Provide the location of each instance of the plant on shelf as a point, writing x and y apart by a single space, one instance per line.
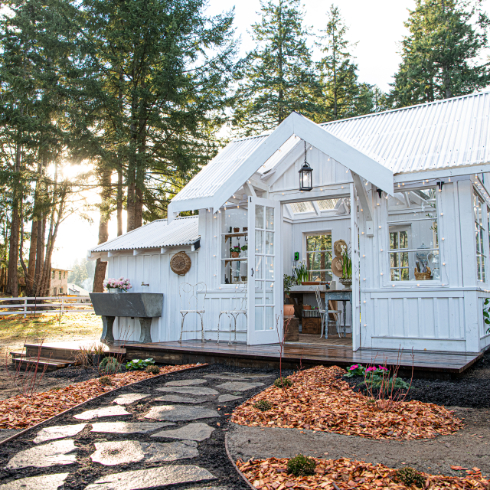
288 282
346 278
301 272
235 252
244 250
117 285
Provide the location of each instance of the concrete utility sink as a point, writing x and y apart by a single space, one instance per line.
144 306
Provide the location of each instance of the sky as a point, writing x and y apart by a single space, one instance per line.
377 26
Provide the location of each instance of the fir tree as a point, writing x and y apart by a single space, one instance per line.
278 76
440 57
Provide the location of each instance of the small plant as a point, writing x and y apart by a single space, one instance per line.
355 370
152 369
98 349
235 249
409 476
105 380
301 272
263 405
244 248
121 283
283 383
109 365
288 282
346 263
486 314
139 364
301 466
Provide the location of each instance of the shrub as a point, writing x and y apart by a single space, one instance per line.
301 466
283 383
109 365
378 382
263 405
105 380
152 369
409 476
137 364
355 370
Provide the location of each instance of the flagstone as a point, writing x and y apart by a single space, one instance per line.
51 454
46 482
129 398
238 386
114 411
152 478
186 382
228 398
192 432
128 427
180 399
189 390
58 432
176 413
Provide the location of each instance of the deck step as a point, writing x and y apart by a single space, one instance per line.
51 364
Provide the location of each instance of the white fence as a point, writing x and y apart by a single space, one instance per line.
45 305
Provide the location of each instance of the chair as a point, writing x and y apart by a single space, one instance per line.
323 314
191 292
233 314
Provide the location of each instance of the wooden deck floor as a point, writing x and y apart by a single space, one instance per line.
300 354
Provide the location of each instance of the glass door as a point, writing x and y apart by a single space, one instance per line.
355 256
265 297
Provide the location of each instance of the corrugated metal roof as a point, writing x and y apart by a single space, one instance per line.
181 231
447 133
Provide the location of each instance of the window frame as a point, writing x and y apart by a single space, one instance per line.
479 231
406 227
305 249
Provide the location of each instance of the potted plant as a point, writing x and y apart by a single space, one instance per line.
236 230
346 278
301 272
244 249
117 285
289 282
235 252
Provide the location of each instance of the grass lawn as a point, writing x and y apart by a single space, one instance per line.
17 330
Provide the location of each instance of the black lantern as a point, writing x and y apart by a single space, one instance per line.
305 176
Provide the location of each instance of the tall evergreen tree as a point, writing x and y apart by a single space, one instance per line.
440 56
278 76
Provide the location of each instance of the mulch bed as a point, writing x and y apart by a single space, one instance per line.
22 412
339 474
320 400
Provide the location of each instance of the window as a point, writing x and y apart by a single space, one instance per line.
61 290
52 274
413 235
59 274
64 275
319 257
54 291
479 234
234 245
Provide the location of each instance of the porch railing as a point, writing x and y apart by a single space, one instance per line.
47 305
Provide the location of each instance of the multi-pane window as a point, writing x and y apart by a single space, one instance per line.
234 245
479 234
59 274
399 260
319 257
413 234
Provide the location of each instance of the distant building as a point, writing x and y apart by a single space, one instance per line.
59 282
74 290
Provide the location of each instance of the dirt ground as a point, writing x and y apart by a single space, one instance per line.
15 331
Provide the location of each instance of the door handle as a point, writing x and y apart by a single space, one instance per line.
252 270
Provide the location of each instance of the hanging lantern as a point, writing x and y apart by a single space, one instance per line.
305 176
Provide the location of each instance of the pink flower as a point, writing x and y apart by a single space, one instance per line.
382 368
372 368
355 366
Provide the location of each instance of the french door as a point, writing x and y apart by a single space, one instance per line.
265 294
355 256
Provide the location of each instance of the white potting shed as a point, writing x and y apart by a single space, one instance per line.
405 189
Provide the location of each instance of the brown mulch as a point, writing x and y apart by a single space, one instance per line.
22 412
340 474
320 400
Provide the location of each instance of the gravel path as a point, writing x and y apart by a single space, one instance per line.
163 432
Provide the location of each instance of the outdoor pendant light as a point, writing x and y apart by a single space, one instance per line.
305 176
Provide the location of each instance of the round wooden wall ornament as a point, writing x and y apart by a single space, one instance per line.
180 263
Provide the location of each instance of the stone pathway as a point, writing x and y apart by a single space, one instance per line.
162 433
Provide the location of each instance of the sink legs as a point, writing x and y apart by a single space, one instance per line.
107 334
145 336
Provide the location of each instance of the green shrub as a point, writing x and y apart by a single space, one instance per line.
386 383
409 476
152 369
137 364
109 365
263 405
105 380
283 383
301 466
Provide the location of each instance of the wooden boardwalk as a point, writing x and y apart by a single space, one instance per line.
302 354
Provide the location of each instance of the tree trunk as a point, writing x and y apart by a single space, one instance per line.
41 234
131 223
101 266
31 264
119 205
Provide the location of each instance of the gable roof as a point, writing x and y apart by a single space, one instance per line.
157 234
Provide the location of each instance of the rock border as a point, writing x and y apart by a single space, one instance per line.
243 477
37 426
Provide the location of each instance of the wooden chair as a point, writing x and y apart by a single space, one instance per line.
233 314
324 317
191 292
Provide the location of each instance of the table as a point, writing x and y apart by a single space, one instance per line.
343 295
